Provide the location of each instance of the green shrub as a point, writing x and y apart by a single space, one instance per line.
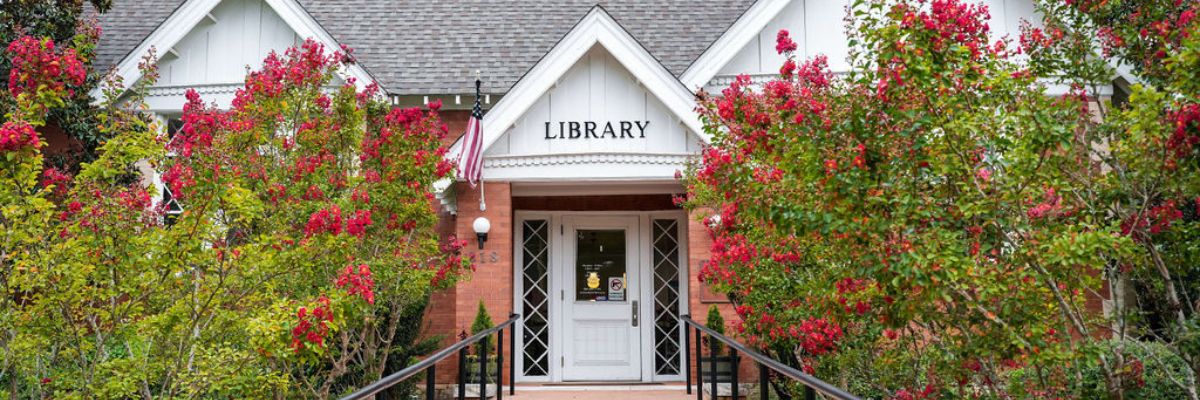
1158 367
483 321
717 323
1145 375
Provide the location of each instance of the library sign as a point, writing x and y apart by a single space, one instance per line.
571 130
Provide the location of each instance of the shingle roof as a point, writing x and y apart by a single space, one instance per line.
125 25
434 46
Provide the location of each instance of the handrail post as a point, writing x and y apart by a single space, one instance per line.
764 382
428 365
430 375
462 373
733 374
483 375
699 369
809 393
687 346
712 367
500 365
512 349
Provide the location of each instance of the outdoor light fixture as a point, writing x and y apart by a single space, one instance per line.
482 226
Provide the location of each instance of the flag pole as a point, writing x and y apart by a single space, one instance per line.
482 200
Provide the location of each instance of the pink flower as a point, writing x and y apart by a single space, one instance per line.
1050 206
357 282
357 225
784 43
788 68
984 174
324 221
17 135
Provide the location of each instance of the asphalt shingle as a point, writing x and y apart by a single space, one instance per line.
418 47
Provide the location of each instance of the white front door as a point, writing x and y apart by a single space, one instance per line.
599 320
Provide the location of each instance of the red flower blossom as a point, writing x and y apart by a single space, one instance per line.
312 327
17 135
1050 206
357 225
784 43
357 282
328 220
36 65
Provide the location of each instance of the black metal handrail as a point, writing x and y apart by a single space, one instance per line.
430 364
812 385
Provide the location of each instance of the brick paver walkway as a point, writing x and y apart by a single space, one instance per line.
602 392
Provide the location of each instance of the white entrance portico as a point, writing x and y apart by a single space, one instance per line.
599 288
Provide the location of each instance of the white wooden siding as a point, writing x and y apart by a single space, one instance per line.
599 89
818 27
219 49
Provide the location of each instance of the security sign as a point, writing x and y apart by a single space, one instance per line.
616 289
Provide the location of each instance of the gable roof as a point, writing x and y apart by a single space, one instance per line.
416 47
597 28
183 19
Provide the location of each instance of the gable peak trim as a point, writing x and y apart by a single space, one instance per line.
596 28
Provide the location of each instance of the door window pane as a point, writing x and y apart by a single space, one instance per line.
600 265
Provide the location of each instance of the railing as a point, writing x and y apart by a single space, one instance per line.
812 385
429 364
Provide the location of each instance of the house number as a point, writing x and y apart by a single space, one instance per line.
487 257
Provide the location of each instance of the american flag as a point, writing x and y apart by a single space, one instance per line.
470 159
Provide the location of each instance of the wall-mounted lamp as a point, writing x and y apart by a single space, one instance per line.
481 226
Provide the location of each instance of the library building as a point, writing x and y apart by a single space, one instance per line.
588 115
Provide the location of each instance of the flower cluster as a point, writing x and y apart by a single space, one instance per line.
928 392
1154 221
200 125
298 67
357 282
453 264
817 336
17 135
1185 138
1050 205
357 225
36 63
56 178
312 326
326 220
950 22
784 43
179 178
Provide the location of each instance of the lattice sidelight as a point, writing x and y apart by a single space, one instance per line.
666 296
536 301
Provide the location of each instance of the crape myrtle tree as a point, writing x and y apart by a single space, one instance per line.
62 21
1148 148
909 229
306 239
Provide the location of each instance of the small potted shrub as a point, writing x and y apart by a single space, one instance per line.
483 321
717 366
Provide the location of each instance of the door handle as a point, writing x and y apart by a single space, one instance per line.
634 307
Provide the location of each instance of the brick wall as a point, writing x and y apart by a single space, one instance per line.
491 282
700 298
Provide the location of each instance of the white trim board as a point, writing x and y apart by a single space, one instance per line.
730 43
595 188
192 12
597 28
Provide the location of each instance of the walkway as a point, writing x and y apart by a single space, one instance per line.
601 392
